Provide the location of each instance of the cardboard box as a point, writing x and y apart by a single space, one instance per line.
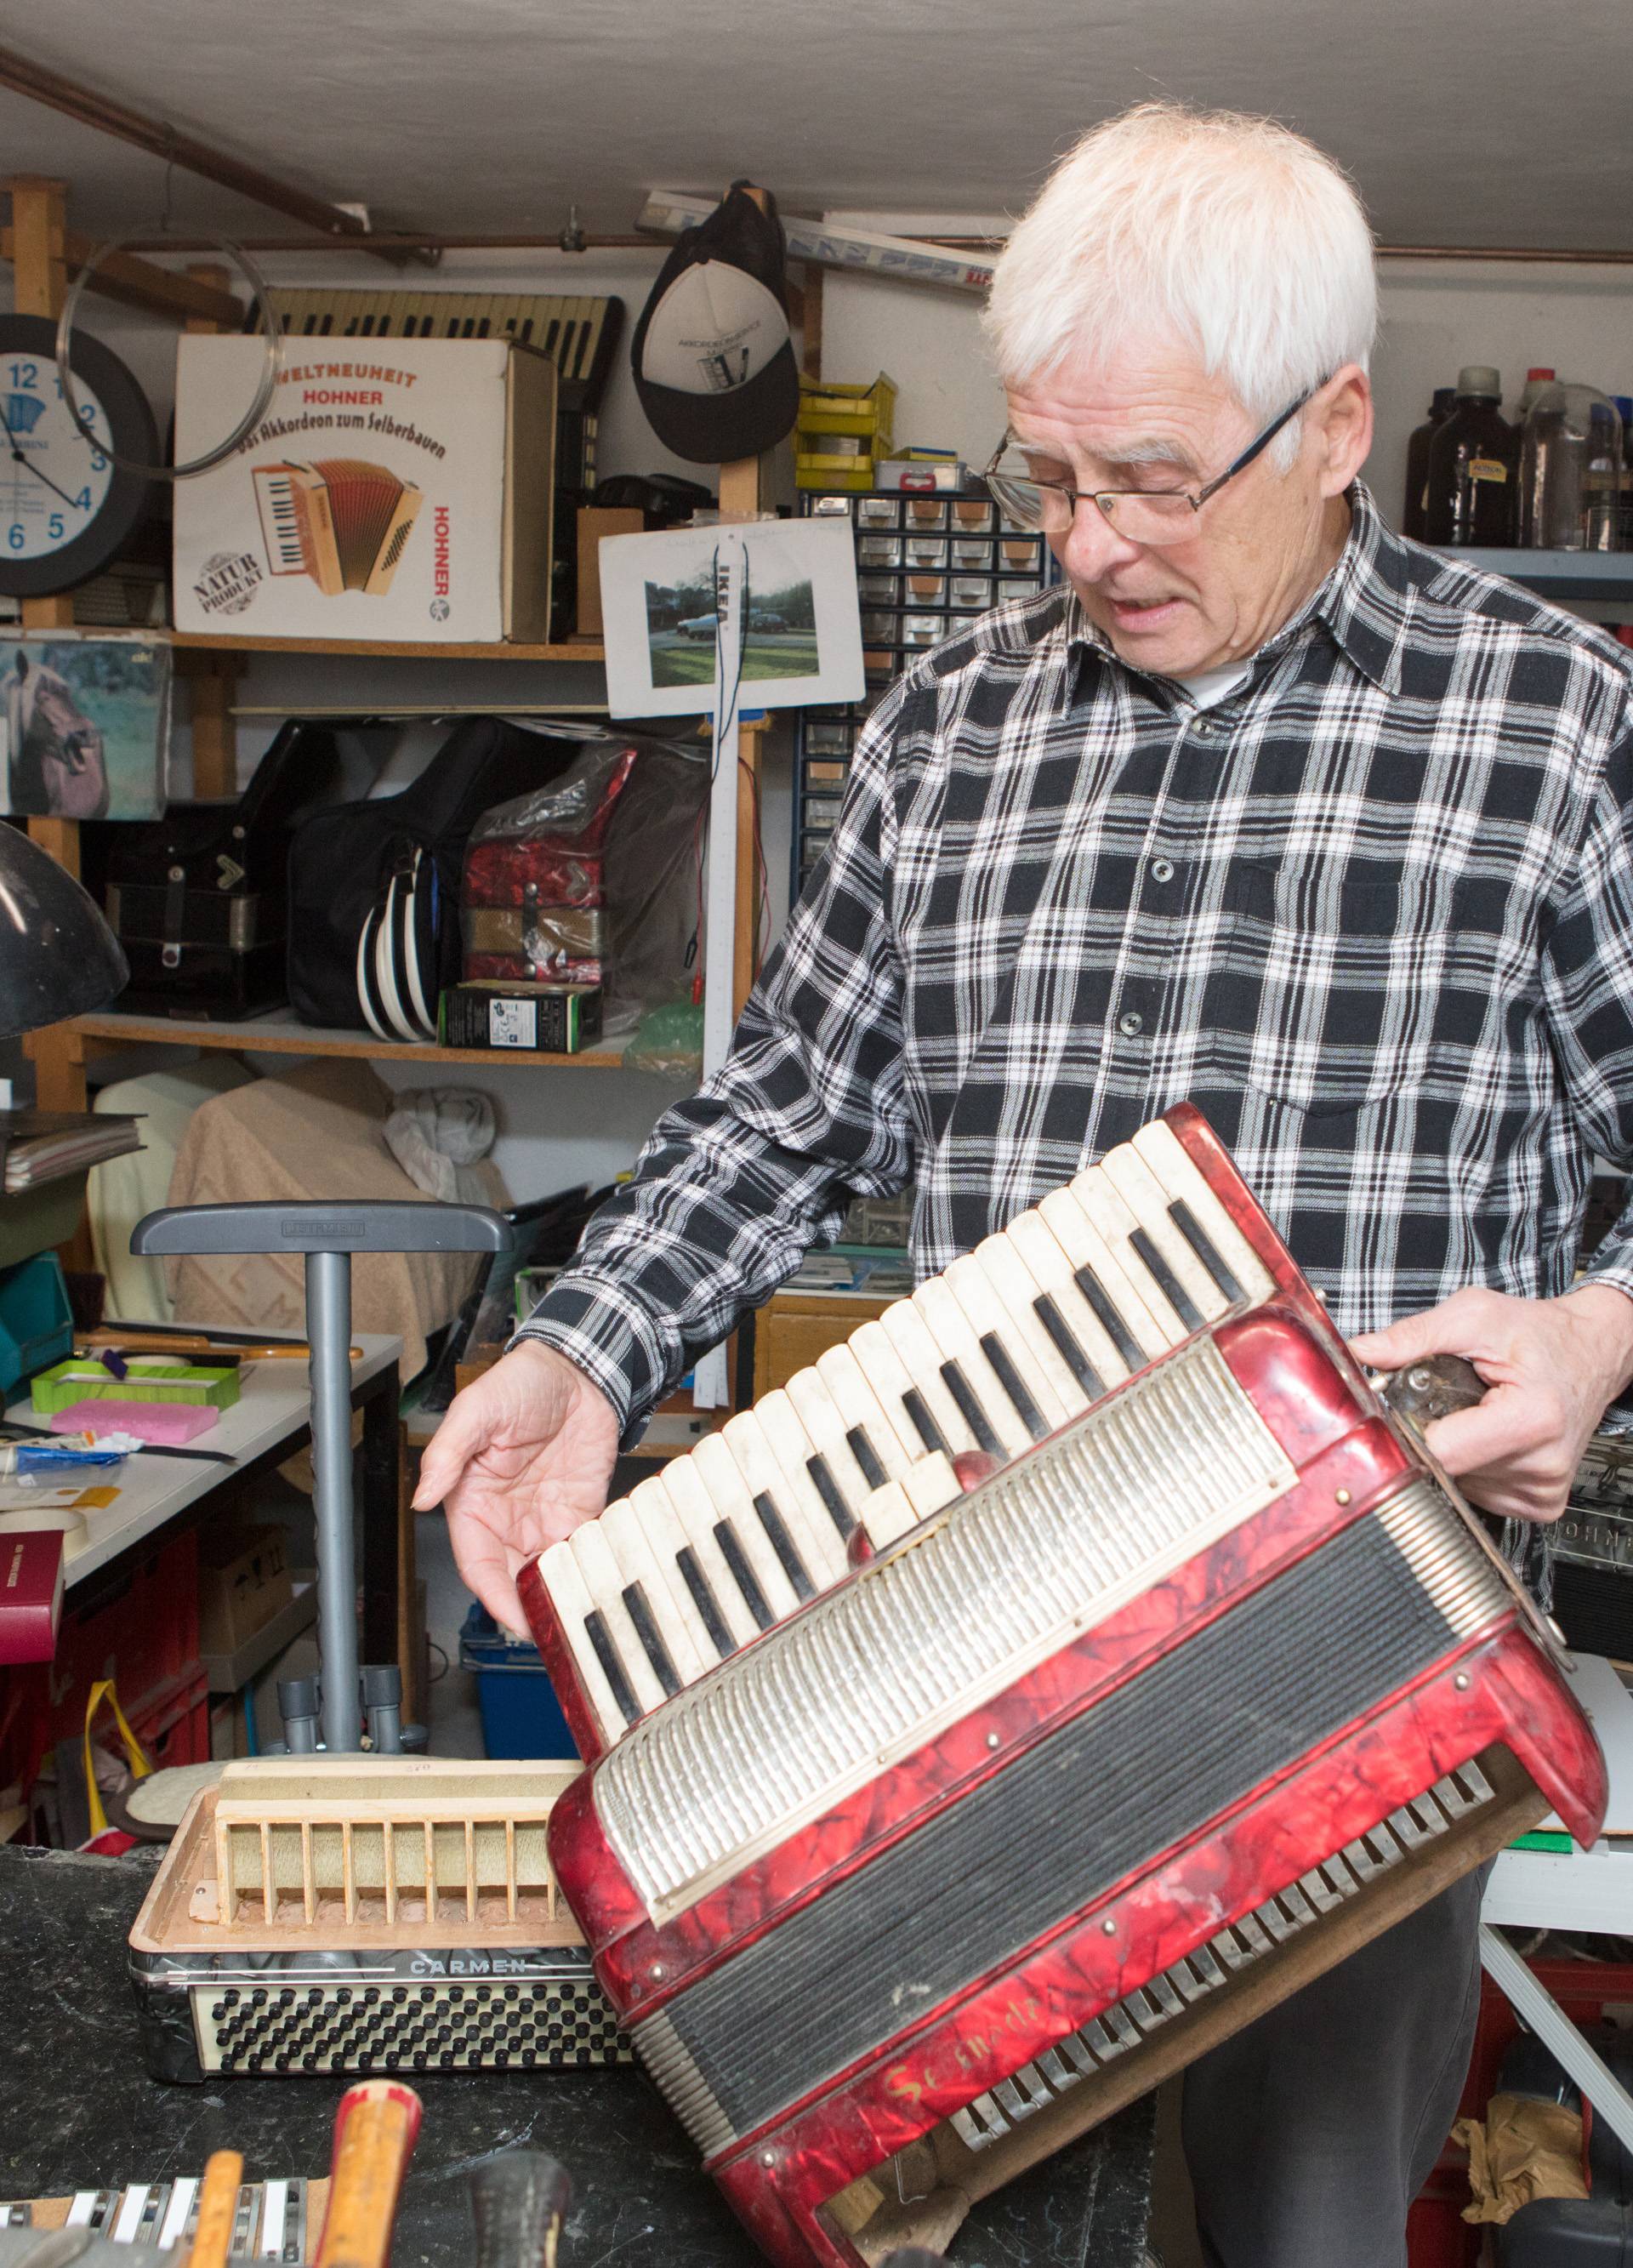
595 523
243 1582
396 488
554 1020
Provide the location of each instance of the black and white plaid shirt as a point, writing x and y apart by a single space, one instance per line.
1373 913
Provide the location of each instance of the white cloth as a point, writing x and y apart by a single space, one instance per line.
436 1134
1209 687
121 1191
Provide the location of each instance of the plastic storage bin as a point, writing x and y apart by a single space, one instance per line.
520 1714
36 1322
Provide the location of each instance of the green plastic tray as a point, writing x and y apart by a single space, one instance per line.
150 1378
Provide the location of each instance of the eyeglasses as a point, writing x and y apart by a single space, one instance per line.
1143 515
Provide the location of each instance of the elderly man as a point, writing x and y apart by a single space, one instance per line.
1265 808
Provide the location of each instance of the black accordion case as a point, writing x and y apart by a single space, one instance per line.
198 899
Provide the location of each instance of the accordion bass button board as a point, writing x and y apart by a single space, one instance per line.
318 1915
1053 1678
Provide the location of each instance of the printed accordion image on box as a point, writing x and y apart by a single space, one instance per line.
396 488
1070 1666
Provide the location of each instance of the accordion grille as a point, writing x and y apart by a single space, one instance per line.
999 1581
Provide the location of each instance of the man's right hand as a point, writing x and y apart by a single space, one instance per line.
522 1458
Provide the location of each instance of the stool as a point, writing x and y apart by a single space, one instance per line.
326 1235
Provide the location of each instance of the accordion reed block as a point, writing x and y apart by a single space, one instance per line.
1046 1683
274 2221
319 1914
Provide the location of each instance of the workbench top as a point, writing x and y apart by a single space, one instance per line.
77 2110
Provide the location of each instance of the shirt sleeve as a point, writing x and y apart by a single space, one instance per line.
1587 980
737 1182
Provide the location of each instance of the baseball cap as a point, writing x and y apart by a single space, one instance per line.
713 365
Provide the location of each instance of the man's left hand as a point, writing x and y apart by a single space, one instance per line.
1551 1367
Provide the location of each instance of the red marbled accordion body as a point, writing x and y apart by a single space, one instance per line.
1493 1686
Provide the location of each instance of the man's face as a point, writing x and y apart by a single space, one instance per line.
1151 418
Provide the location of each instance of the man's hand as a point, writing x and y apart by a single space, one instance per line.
1550 1367
522 1457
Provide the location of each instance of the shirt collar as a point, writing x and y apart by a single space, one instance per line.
1363 605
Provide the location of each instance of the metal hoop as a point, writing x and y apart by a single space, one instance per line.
270 331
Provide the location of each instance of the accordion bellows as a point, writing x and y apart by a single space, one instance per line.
1058 1675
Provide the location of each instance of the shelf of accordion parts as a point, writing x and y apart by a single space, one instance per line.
78 2110
393 649
283 1035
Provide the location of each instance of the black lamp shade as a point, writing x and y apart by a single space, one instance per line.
58 957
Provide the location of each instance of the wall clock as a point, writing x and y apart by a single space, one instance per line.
65 507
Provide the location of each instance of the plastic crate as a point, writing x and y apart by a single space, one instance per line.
520 1714
36 1322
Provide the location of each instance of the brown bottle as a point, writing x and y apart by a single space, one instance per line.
1473 466
1413 517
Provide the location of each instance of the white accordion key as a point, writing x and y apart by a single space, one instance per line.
902 1505
699 1522
597 1665
1027 1383
922 1358
835 1472
1104 1203
878 1449
690 1594
781 1505
749 1550
603 1579
997 1423
1099 1273
1192 1292
1201 1218
828 1518
1090 1351
177 2212
888 1514
670 1636
914 1420
1000 1262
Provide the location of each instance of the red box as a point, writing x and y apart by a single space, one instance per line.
1436 2234
146 1639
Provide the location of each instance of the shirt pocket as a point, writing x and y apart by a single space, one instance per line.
1308 1000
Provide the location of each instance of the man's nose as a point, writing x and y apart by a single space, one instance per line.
1093 549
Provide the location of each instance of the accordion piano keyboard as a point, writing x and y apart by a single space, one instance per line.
1011 1341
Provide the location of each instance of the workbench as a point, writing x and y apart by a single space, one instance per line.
77 2110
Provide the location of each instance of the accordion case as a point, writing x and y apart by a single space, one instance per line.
1053 1677
289 1931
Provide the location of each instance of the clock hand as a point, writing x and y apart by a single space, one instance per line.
18 458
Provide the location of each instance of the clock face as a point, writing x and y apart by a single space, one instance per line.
66 507
54 480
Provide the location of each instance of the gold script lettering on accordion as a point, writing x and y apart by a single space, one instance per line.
901 1875
340 520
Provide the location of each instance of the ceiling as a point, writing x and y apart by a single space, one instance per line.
1470 121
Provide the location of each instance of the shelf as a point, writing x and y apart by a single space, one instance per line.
389 649
283 1035
1552 574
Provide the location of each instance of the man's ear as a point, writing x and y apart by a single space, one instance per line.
1340 421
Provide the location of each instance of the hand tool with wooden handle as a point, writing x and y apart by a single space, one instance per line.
521 2200
375 2128
217 2210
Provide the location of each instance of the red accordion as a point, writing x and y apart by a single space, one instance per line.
928 1823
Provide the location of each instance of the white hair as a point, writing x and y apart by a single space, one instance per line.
1232 235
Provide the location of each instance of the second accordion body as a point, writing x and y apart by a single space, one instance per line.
1115 1737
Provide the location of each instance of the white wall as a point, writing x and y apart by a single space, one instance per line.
562 1126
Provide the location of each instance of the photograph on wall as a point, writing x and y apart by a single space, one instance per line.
85 727
665 605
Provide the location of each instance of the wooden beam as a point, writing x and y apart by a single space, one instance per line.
40 282
24 76
138 284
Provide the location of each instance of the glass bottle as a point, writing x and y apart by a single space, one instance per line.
1571 471
1473 460
1413 517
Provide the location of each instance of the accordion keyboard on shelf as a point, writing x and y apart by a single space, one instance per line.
275 2220
1059 1673
291 1931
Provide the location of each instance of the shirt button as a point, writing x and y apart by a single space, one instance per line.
1130 1024
1202 729
1162 869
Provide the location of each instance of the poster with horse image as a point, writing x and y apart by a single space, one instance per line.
85 727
